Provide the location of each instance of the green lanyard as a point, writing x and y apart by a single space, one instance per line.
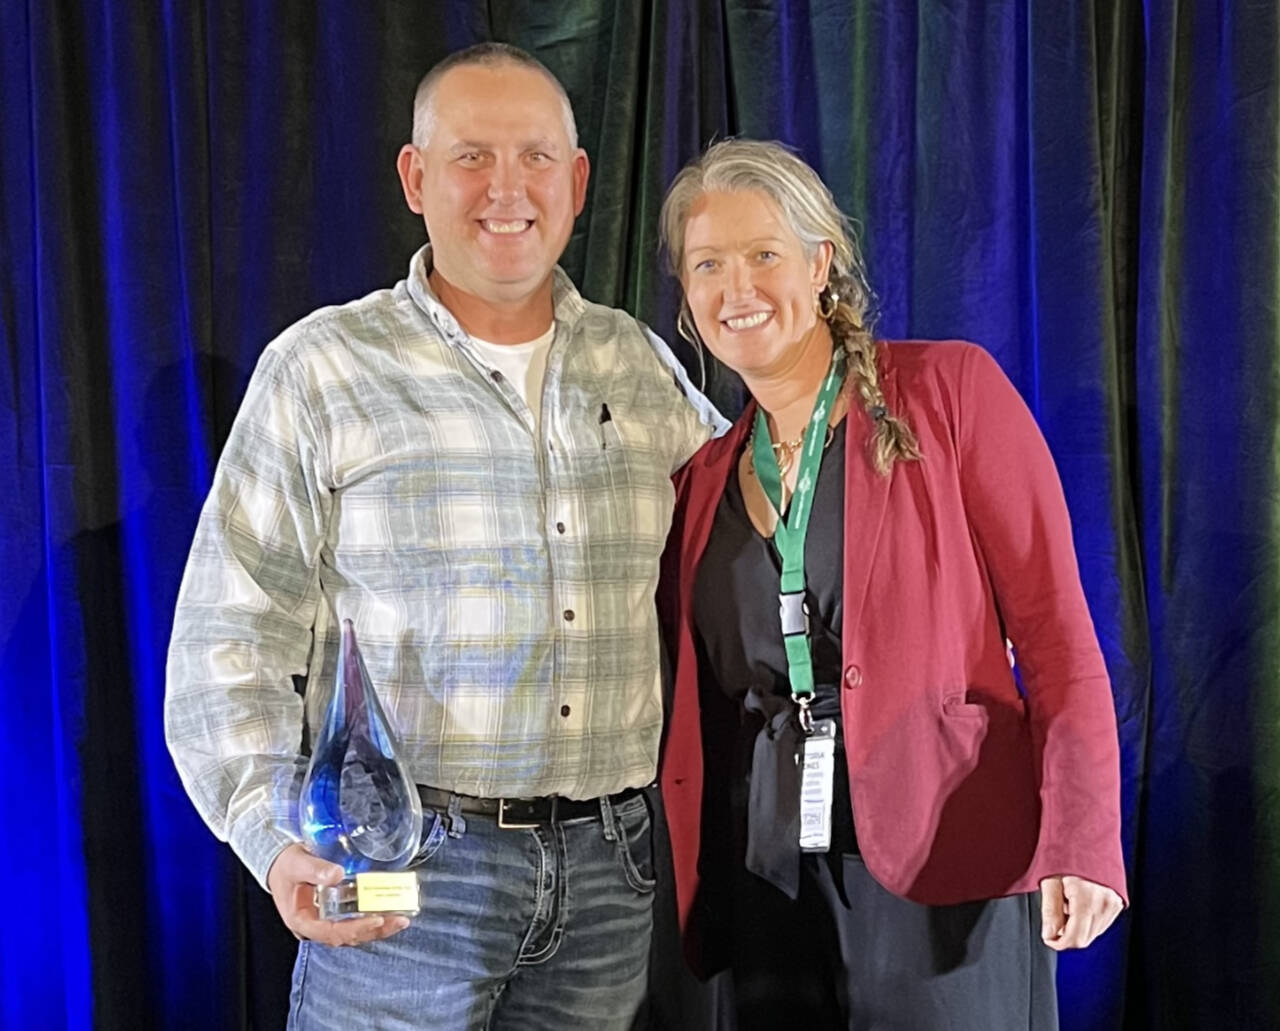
790 533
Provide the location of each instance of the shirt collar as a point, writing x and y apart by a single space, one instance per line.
568 303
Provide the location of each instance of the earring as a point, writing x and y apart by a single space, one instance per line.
826 311
686 328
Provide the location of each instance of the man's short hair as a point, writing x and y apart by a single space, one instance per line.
488 55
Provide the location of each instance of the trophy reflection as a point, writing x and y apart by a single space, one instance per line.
359 806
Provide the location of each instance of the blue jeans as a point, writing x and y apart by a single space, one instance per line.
528 929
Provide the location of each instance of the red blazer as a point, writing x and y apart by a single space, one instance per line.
961 788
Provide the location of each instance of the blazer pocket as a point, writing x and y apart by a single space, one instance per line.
967 705
957 705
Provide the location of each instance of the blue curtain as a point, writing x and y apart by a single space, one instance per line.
1089 189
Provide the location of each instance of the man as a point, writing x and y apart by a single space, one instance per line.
474 468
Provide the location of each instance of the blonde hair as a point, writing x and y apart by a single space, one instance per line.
813 215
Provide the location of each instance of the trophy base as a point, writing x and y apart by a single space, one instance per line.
369 894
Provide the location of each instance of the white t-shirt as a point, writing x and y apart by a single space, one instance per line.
523 365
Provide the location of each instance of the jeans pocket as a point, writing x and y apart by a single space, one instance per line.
635 848
434 832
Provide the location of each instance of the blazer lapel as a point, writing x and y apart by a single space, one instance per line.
866 499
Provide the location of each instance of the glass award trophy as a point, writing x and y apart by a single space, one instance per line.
359 806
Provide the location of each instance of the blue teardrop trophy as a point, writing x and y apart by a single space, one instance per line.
359 807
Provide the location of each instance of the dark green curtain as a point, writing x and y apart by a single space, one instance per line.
1089 189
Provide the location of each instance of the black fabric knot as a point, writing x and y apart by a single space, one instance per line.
773 810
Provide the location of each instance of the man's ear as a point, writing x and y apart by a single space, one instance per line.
409 165
581 173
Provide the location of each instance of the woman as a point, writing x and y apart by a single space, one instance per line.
940 822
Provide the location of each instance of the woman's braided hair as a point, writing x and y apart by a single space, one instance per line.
809 209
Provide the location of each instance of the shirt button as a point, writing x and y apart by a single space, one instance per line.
852 677
559 527
564 710
568 615
495 375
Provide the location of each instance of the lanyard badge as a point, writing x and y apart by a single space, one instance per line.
817 760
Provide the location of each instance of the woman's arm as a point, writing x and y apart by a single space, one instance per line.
1016 509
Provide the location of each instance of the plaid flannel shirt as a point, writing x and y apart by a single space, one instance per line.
500 575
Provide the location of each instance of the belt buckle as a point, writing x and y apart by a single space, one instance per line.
508 825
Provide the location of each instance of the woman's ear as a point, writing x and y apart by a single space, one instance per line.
820 265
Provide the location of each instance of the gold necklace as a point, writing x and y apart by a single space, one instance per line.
784 452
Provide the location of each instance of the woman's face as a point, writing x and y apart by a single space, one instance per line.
750 285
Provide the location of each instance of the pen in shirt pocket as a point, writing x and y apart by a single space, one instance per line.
605 417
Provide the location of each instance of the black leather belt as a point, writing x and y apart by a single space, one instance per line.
522 813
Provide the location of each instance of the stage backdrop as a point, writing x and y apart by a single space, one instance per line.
1087 189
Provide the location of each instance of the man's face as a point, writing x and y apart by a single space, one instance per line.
498 183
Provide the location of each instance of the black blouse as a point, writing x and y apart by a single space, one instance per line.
735 610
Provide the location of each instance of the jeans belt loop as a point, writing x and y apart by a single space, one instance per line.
609 818
457 822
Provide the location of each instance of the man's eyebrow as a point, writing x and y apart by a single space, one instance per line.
535 142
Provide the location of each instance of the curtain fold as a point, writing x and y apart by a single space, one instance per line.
1206 404
1089 189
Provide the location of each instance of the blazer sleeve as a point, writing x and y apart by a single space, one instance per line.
1018 515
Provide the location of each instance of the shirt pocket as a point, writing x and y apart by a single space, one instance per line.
626 484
